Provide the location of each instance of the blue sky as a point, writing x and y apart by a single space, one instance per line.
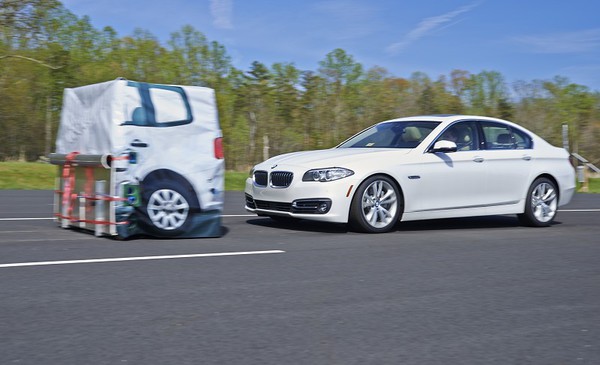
521 39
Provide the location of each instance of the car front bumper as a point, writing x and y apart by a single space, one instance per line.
318 201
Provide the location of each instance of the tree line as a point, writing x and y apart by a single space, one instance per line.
264 110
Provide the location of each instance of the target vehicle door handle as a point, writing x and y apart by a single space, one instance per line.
478 159
138 143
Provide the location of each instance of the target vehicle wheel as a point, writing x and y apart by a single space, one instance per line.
168 207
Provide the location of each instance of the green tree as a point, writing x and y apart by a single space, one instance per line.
484 92
313 111
342 74
44 48
286 98
571 104
255 102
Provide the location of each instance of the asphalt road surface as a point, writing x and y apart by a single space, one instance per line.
458 291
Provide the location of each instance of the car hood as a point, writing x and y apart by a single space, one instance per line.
334 157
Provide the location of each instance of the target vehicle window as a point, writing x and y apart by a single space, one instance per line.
152 105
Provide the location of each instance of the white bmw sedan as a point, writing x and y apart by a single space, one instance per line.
423 167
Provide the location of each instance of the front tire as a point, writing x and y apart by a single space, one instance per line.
541 204
376 206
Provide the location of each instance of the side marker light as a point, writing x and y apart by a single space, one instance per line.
349 190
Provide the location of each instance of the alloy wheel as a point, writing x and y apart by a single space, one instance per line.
379 204
544 201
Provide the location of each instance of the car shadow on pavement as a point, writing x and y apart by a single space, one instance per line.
300 225
485 222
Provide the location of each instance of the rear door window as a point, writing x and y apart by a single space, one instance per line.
169 106
502 137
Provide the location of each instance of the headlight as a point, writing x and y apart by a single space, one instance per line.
328 174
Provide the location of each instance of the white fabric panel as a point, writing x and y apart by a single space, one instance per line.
86 124
92 118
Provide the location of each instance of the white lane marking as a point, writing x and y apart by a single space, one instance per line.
140 258
75 238
579 210
19 231
50 218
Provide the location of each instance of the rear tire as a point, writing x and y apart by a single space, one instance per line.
376 206
168 208
541 204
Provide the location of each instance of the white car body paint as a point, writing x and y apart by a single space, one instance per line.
434 185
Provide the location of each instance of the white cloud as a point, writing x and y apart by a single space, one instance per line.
221 11
567 42
427 26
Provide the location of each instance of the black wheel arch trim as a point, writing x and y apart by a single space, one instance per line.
170 175
551 178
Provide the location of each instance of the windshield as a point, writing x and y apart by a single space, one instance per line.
391 135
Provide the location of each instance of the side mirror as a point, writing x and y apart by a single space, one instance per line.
444 146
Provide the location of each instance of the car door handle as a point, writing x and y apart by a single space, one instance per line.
478 159
526 157
138 143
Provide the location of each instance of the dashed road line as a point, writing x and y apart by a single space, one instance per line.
578 210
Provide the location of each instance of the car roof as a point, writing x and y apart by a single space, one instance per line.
448 118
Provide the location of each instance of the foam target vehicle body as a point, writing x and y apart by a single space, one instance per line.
422 167
165 144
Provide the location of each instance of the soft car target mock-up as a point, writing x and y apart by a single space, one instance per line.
155 153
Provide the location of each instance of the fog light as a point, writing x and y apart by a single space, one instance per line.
311 206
